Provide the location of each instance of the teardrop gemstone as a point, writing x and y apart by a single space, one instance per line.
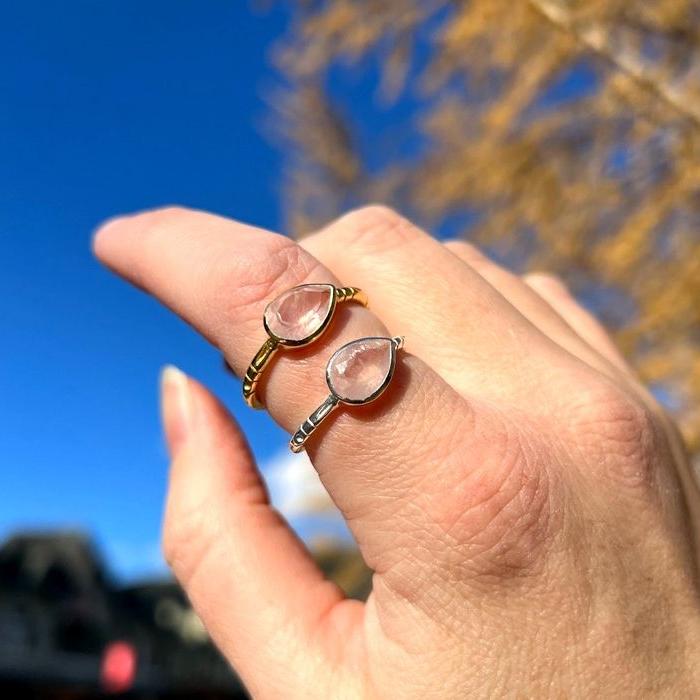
299 313
358 372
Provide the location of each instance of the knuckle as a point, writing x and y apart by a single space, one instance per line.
375 227
495 512
240 285
373 216
468 252
548 282
620 432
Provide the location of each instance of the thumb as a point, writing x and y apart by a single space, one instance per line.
257 590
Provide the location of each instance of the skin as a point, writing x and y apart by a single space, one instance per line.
525 505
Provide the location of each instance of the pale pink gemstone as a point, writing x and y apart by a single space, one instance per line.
359 369
300 312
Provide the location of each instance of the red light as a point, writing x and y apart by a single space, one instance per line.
118 668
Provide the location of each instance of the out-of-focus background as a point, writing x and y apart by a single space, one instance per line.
556 134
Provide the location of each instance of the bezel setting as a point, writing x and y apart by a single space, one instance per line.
298 440
394 345
288 342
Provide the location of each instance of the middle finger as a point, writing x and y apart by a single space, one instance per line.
458 323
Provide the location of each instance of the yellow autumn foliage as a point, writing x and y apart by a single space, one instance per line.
557 134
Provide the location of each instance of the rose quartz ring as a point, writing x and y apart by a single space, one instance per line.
356 374
294 319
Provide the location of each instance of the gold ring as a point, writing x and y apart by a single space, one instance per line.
295 318
358 373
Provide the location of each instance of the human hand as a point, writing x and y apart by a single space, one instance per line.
522 501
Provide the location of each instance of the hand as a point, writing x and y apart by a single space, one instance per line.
522 501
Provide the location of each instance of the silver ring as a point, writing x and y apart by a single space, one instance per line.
356 374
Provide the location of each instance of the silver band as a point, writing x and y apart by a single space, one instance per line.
296 444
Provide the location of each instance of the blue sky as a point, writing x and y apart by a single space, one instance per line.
110 106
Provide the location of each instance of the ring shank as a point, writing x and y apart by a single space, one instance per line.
296 444
350 294
255 369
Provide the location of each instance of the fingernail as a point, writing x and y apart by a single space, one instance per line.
176 407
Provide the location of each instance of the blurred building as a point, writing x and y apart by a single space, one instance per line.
68 630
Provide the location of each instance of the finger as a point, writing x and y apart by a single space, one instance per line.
219 275
254 585
534 306
555 293
459 324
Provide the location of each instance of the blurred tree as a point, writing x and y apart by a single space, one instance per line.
557 134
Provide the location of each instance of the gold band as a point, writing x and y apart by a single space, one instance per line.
272 345
255 368
350 294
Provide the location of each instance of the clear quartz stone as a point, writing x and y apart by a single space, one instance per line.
299 313
359 369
